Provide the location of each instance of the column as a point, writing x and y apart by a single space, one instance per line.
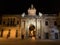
36 29
26 28
20 27
42 28
23 29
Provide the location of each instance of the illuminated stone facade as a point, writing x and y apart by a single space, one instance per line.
14 26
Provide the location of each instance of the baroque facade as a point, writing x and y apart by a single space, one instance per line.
41 26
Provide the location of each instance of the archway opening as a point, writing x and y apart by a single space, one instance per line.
32 31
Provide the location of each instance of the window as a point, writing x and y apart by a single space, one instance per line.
46 23
17 22
56 35
8 35
0 22
8 22
11 22
55 23
3 22
46 35
14 19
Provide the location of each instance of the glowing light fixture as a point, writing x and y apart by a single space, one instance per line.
33 38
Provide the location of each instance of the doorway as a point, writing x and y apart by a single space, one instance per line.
32 31
56 35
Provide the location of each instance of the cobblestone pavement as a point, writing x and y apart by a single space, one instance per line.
28 42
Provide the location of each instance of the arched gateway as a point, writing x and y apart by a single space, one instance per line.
32 24
32 31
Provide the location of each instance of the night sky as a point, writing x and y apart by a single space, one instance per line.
20 6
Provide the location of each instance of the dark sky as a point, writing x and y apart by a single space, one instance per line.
20 6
